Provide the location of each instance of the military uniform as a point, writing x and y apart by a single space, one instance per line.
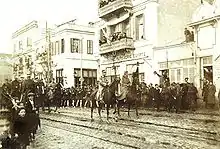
15 89
103 82
125 83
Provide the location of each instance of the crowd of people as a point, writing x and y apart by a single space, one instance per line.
25 97
105 2
18 97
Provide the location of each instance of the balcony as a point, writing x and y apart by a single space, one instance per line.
123 43
113 6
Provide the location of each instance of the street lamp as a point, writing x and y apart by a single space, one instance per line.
81 55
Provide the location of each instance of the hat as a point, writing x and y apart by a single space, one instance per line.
103 70
30 94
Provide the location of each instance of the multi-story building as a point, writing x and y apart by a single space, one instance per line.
72 50
198 58
24 52
129 30
65 51
6 67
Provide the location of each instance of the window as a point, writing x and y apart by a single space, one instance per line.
110 73
139 27
57 47
59 76
189 72
52 48
62 45
15 47
203 33
20 45
75 45
127 28
29 42
89 47
89 76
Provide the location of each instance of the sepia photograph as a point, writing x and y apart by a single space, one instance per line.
110 74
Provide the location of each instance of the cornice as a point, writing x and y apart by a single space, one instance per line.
172 46
75 31
142 6
24 29
204 21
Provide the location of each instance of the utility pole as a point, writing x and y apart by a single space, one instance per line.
48 47
81 56
167 61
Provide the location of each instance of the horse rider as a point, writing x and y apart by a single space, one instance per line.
125 83
103 82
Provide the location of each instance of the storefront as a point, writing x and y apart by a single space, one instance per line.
89 77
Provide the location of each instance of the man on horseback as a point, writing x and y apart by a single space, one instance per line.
103 82
125 83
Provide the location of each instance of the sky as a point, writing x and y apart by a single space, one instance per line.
16 13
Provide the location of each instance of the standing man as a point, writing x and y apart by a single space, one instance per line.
15 88
205 91
164 79
185 98
103 82
29 85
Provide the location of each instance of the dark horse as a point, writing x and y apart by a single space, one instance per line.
132 97
109 99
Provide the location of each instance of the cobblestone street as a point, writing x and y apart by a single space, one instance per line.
72 128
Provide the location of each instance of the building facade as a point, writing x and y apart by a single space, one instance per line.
72 51
6 67
196 59
205 23
24 52
129 29
64 52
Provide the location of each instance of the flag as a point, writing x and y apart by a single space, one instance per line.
106 36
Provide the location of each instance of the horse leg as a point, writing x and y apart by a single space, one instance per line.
99 111
92 108
107 108
85 103
118 107
129 106
136 108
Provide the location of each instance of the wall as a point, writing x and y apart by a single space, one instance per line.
173 17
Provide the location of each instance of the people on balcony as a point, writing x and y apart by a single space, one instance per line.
114 37
105 2
189 36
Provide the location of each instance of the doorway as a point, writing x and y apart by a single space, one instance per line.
208 73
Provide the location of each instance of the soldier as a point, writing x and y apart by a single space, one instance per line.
164 79
157 96
15 89
125 83
185 99
192 95
103 82
29 86
205 91
40 92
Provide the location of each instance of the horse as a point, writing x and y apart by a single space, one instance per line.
132 97
108 99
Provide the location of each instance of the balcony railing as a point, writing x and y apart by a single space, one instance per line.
124 43
106 8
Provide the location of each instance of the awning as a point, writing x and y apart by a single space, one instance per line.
117 20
